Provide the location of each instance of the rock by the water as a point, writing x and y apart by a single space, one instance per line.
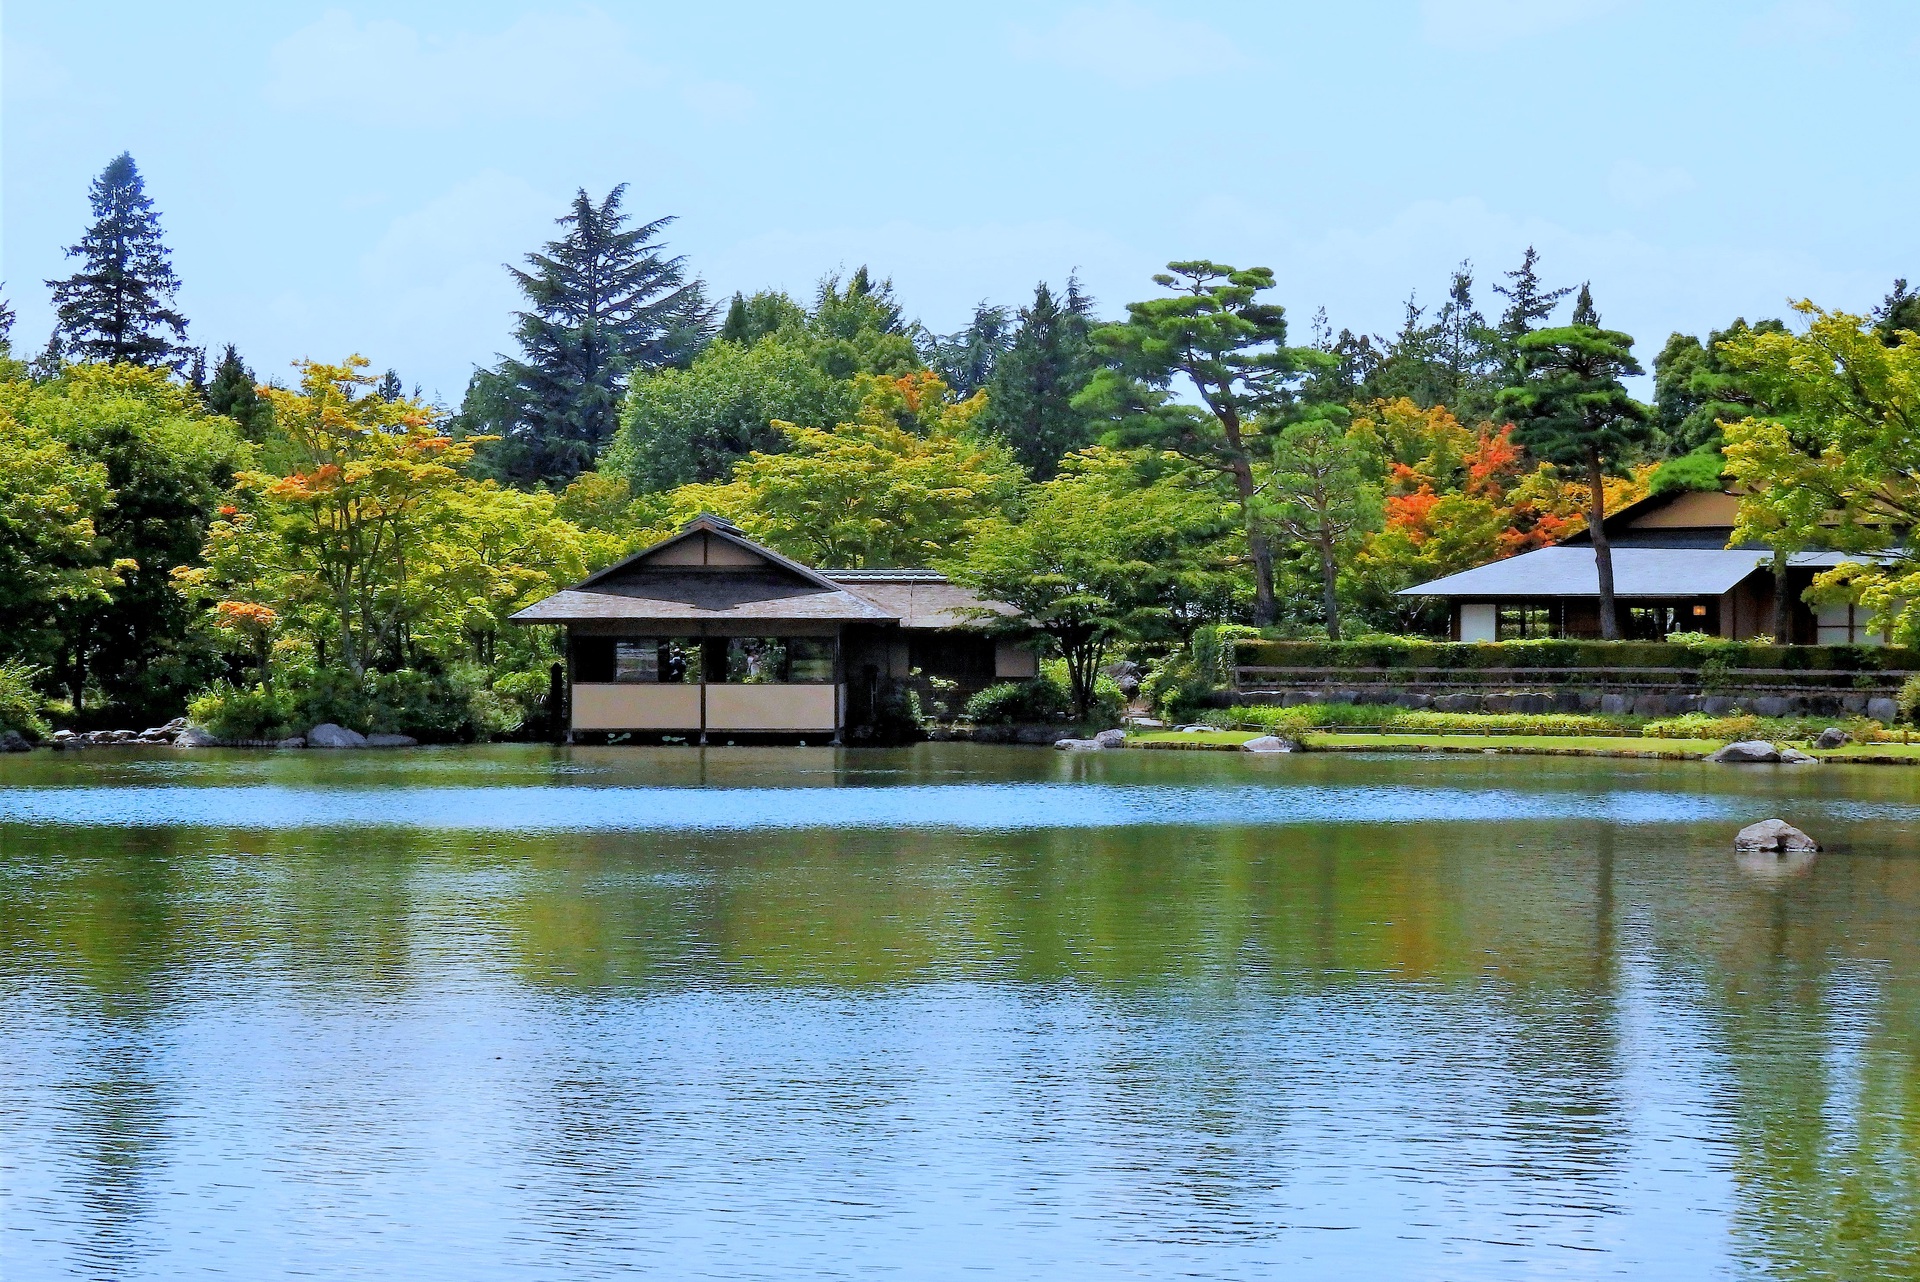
14 741
1746 752
1774 835
1077 745
329 735
1111 738
392 741
1884 710
1269 743
1833 737
1795 757
195 737
297 741
1195 729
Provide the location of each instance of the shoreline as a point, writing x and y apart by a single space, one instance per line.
1878 754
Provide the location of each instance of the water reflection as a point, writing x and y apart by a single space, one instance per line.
1282 1023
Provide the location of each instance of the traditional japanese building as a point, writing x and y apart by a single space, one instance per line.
709 633
1673 571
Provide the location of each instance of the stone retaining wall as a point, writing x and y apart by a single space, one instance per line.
1855 703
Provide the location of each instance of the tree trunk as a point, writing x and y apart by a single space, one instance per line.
1602 551
1329 587
1782 608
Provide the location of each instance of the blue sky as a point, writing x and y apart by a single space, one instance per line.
340 178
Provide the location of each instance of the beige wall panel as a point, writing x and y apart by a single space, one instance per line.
1696 511
688 552
720 552
1014 662
636 707
772 707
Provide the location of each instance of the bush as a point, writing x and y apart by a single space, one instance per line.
454 705
1328 716
21 707
1179 684
1014 702
1730 655
1909 699
1698 725
227 711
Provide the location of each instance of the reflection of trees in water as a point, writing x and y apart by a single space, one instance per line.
1226 967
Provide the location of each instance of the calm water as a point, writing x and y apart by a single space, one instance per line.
952 1012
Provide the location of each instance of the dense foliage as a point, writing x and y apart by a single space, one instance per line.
1152 488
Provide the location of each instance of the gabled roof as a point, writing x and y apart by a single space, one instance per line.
664 583
920 598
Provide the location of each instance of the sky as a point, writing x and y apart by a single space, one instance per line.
340 178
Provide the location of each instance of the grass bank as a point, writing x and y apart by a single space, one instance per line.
1518 744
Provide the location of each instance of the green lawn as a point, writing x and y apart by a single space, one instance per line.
1872 752
1322 741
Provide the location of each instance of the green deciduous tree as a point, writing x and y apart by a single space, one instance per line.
1050 362
1694 390
119 305
1569 408
1834 461
1323 493
1230 349
604 303
1102 556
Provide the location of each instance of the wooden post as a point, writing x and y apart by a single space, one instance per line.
557 710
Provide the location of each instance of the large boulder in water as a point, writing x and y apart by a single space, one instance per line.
14 741
1747 752
1270 743
1077 745
1111 738
328 735
1775 835
195 737
392 741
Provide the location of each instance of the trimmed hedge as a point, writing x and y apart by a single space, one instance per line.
1469 656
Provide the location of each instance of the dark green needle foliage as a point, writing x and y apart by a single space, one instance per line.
1052 359
119 305
1570 409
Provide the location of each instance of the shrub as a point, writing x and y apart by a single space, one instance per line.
1011 702
227 711
1733 655
21 707
1698 725
1178 685
1909 699
1329 716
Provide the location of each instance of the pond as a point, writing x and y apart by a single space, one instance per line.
952 1011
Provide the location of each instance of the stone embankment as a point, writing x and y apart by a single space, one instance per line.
1859 703
179 734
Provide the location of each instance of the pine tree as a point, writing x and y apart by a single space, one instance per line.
1049 362
1900 310
6 325
965 360
1527 305
1570 408
232 392
119 307
604 303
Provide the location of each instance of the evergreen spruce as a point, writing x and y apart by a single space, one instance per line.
965 360
119 307
1899 311
1528 304
6 326
232 391
1049 361
604 303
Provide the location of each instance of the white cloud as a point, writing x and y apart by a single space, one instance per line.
1476 24
382 72
1125 42
1641 186
1800 22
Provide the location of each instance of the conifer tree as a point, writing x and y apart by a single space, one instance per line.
604 303
1528 303
119 306
1899 311
1570 408
1049 362
965 360
232 391
6 325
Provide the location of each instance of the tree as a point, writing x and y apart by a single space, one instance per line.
693 425
1230 347
1100 556
1323 494
119 306
166 464
1899 311
6 327
232 392
1570 409
965 360
871 492
343 537
50 563
604 303
1528 304
1694 390
860 329
1051 360
1834 461
767 313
